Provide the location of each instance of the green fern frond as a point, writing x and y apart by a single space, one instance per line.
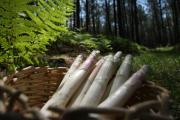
28 26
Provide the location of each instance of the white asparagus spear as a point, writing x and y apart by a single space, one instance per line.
116 60
88 83
96 90
77 93
122 74
117 57
78 60
123 93
107 91
62 97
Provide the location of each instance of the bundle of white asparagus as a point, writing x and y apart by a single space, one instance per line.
97 83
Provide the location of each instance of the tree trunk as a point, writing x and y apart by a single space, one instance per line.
136 23
93 8
131 20
115 20
155 15
77 13
87 15
125 20
97 18
108 22
120 18
163 29
74 20
175 21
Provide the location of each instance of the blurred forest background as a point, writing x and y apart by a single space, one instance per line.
151 23
53 32
31 28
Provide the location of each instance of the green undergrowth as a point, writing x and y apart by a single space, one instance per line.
164 70
89 42
82 41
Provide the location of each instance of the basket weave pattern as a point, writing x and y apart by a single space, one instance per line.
39 83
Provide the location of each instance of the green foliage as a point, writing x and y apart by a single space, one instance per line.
126 46
176 48
100 42
27 26
85 40
164 71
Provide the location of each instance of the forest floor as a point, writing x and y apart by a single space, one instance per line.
164 71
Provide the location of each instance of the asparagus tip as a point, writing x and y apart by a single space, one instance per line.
145 68
128 56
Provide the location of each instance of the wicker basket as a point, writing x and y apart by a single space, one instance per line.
39 83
